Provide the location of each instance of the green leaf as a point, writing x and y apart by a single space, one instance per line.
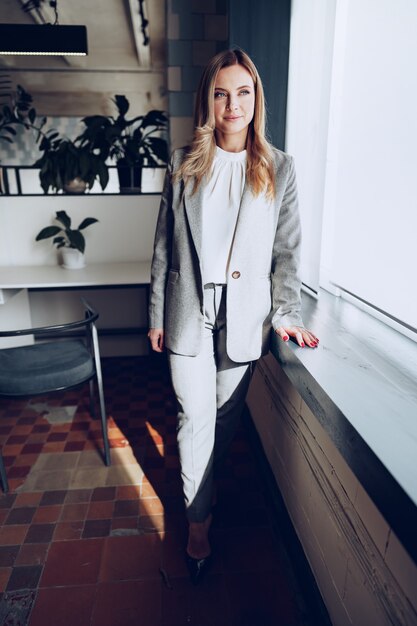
122 104
76 240
159 147
57 182
90 181
41 163
52 135
84 162
112 133
87 222
137 134
151 161
65 219
45 184
155 118
59 240
49 231
32 115
103 174
95 120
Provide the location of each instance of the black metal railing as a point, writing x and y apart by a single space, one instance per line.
14 182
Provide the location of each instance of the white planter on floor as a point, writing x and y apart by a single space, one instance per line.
72 259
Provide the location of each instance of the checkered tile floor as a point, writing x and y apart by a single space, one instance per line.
84 544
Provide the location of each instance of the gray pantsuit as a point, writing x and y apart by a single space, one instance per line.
211 367
211 391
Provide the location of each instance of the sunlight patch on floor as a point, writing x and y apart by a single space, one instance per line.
54 414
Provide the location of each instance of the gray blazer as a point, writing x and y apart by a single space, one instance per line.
263 287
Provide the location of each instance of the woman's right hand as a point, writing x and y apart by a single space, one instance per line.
156 337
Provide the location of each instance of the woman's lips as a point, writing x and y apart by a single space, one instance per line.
232 118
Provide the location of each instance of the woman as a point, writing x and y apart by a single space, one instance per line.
224 271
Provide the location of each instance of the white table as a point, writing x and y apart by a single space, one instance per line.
56 277
16 281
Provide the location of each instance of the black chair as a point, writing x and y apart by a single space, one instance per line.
55 365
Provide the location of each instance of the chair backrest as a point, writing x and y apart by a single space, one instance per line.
46 367
57 329
52 363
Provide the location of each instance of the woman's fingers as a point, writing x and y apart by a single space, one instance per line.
161 342
156 337
301 335
282 333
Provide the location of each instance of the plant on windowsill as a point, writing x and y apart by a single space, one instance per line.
69 240
68 166
130 142
64 165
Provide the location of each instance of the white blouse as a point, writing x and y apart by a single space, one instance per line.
221 202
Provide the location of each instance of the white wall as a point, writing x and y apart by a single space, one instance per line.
125 232
15 313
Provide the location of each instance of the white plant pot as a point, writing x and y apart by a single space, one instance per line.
72 259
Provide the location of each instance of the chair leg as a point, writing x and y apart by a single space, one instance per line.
4 481
103 414
92 400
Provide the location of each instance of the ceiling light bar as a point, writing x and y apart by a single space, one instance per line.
43 39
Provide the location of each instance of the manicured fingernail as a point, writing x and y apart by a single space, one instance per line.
285 338
302 344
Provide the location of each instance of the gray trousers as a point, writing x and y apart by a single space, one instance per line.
211 391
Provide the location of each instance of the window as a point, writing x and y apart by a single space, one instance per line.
352 127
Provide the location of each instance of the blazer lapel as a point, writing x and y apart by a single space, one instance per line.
244 208
248 205
193 207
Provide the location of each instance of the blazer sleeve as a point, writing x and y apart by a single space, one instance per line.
161 258
286 283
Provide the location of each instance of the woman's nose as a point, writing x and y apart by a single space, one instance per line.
232 104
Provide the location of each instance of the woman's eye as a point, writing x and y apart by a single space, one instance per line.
244 92
219 94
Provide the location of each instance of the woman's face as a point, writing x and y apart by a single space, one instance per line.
234 101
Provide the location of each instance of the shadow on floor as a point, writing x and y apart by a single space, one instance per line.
82 543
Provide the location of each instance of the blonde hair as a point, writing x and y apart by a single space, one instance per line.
260 173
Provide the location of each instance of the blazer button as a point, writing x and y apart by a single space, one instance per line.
236 274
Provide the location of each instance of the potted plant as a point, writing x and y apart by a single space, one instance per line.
130 142
65 165
71 241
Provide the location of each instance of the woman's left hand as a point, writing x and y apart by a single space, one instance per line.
302 335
